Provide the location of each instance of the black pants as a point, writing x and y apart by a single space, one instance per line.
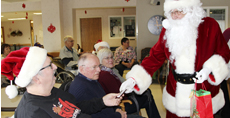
224 112
120 67
144 101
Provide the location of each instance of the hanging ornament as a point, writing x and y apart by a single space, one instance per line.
26 13
12 21
51 28
23 5
127 0
26 17
123 9
85 12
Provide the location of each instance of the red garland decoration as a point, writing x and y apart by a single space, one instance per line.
123 9
51 28
127 0
23 5
12 21
26 13
85 12
26 17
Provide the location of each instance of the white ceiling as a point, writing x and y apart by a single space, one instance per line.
12 1
17 14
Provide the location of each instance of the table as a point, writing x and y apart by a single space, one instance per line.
11 104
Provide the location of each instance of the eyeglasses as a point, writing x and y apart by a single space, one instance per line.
47 66
107 58
176 12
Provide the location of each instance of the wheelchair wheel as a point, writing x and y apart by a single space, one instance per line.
64 76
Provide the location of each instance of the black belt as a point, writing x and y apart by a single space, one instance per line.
184 78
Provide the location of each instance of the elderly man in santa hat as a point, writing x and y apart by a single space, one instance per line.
196 48
35 71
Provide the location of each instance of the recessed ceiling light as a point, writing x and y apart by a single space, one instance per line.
16 18
31 21
37 13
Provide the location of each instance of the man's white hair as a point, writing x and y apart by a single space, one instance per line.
67 37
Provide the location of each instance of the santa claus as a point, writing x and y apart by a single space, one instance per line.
196 48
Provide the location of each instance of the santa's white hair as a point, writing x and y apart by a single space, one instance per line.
181 34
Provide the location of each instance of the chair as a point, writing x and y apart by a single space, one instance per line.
62 76
65 86
145 52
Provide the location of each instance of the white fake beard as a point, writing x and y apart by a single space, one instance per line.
180 36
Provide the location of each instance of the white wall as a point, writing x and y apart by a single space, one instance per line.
23 26
104 15
38 28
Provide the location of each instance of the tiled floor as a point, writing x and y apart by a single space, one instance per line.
156 92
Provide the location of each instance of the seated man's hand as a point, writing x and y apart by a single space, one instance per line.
128 85
125 64
111 99
123 113
129 65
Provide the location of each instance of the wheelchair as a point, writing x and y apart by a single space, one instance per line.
62 75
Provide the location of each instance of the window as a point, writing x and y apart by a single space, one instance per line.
219 14
122 26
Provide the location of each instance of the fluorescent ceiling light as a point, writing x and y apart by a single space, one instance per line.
16 18
37 13
2 16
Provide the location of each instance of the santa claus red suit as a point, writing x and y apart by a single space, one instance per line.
191 44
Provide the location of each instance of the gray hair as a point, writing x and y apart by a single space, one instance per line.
102 53
67 37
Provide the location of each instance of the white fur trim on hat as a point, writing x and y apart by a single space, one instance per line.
11 91
103 43
34 61
219 68
142 78
174 4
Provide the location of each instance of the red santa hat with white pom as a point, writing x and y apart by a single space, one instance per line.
24 64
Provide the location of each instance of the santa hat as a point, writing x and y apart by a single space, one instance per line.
174 4
103 43
24 64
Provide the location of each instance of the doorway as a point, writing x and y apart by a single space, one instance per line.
91 32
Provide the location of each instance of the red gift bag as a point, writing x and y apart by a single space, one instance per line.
201 103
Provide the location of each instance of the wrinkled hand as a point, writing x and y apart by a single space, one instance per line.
202 75
111 100
128 85
123 113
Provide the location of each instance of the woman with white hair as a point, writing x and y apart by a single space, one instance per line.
111 81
